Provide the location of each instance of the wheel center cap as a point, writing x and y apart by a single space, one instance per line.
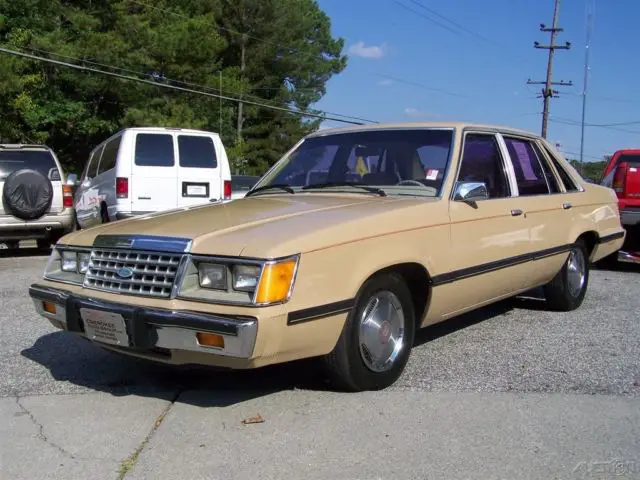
385 332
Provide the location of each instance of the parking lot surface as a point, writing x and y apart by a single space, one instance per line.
510 391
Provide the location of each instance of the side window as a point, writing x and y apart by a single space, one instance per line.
569 184
482 162
197 152
92 170
530 176
109 154
154 150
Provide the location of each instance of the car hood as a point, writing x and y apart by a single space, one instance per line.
269 226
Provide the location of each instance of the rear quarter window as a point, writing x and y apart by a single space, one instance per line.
197 152
154 150
40 160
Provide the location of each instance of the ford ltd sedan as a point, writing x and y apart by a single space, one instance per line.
348 245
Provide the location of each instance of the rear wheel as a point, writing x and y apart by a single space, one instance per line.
567 290
376 340
104 215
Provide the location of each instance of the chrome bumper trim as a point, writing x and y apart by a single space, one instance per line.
153 328
629 257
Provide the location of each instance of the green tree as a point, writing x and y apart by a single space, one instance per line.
289 55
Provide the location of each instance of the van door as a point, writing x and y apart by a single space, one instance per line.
199 177
153 174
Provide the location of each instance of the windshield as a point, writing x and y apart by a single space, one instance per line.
39 160
399 162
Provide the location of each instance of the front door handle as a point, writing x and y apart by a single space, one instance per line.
566 205
516 211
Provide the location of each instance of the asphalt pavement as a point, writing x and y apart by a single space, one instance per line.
510 391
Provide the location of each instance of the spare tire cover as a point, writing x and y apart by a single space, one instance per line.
27 194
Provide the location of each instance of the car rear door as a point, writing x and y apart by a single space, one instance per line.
154 172
199 177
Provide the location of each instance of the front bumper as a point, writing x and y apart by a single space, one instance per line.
149 332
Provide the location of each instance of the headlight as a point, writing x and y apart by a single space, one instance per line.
241 282
246 277
212 276
67 265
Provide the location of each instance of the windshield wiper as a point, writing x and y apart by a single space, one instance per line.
375 190
280 186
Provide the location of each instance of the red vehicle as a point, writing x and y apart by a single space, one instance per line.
622 174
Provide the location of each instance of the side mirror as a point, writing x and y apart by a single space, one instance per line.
470 192
72 180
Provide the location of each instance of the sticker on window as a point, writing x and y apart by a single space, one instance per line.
432 174
525 160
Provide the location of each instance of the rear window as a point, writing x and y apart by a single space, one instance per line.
197 152
154 150
39 160
629 158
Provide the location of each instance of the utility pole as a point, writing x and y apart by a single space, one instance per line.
547 91
590 9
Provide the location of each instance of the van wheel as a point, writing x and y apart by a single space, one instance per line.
567 290
104 215
376 340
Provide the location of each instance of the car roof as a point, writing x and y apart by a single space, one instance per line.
166 129
414 125
23 146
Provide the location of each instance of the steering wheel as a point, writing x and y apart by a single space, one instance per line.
411 182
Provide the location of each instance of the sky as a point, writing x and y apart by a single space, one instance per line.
469 60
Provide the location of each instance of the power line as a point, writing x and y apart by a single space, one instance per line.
575 123
420 85
547 91
189 84
174 87
452 22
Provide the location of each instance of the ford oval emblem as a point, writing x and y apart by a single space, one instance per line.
125 272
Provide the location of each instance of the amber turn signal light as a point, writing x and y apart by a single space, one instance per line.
210 339
49 307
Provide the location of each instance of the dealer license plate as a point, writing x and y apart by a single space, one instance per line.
105 327
196 190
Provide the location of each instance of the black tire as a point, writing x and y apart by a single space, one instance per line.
104 215
345 366
559 293
27 194
44 244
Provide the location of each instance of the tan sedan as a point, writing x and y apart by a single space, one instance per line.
354 240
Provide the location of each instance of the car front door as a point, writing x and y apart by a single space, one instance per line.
489 237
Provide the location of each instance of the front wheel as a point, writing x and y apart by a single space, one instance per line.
567 290
376 340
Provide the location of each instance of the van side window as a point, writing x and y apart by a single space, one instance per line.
93 162
197 152
109 155
154 150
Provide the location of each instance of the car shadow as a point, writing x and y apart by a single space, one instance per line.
533 300
71 358
24 252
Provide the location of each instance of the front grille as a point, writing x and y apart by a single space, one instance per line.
153 273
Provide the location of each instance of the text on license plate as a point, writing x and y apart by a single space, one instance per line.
105 327
196 190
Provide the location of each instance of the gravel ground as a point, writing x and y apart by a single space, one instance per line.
515 346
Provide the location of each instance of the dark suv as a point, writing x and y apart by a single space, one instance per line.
35 202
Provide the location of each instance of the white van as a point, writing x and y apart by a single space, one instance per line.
150 169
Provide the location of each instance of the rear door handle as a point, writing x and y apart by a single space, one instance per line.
566 205
516 211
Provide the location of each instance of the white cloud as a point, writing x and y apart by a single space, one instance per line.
385 82
373 51
415 113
